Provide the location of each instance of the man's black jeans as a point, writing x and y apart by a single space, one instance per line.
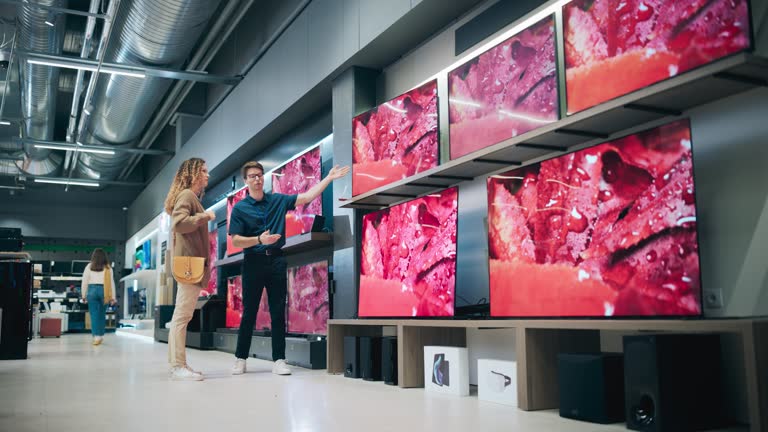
260 271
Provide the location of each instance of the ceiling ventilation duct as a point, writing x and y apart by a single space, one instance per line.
149 33
39 84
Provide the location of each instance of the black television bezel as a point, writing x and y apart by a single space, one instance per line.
456 263
369 112
612 317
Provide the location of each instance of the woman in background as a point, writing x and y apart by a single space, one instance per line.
189 236
98 290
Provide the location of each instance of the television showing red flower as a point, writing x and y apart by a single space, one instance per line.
234 312
395 140
605 231
505 92
408 262
231 201
308 301
295 177
613 48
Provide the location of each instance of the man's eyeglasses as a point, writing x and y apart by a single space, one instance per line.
254 176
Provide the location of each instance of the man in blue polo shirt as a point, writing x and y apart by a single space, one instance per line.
257 225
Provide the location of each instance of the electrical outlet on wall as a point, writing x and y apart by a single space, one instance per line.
713 299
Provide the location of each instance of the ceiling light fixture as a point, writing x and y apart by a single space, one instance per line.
66 182
66 147
50 23
104 69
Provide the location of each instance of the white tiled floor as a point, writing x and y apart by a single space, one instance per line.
69 385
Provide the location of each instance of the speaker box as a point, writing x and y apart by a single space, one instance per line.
591 387
351 357
370 358
672 382
389 360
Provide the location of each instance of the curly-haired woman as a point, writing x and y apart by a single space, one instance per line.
189 236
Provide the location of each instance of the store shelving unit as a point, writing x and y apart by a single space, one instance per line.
720 79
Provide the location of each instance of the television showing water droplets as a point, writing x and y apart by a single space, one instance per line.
408 262
395 140
605 231
309 305
297 176
235 307
231 201
613 48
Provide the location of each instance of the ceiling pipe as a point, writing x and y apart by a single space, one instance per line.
225 24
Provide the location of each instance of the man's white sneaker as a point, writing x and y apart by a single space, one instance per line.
280 368
185 374
239 367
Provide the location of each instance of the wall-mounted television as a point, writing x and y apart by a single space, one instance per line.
295 177
231 201
606 231
408 262
395 140
504 92
308 302
78 267
614 48
143 256
235 306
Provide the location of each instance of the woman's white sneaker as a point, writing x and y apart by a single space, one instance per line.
185 374
281 368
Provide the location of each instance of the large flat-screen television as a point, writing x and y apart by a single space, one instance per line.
605 231
504 92
308 302
235 306
395 140
297 176
231 201
213 255
613 48
143 256
408 262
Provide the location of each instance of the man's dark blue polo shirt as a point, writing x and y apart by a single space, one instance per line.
250 218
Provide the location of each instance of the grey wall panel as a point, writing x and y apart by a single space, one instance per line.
84 223
326 37
730 160
472 244
377 15
351 26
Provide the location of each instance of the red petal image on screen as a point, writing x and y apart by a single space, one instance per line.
408 262
231 201
613 48
605 231
293 178
213 255
395 140
308 302
505 92
235 306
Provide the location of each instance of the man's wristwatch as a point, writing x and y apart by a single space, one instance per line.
259 238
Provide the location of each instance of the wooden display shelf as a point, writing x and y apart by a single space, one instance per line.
538 343
293 245
723 78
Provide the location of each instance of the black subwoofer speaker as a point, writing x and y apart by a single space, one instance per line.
672 382
389 360
370 358
351 357
591 387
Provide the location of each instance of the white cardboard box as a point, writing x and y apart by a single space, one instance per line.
446 370
497 381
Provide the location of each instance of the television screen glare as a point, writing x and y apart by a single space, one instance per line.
505 92
308 301
408 262
295 177
395 140
605 231
613 48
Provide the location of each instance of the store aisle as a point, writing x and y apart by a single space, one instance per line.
69 385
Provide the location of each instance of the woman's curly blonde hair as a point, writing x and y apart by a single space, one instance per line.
189 171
